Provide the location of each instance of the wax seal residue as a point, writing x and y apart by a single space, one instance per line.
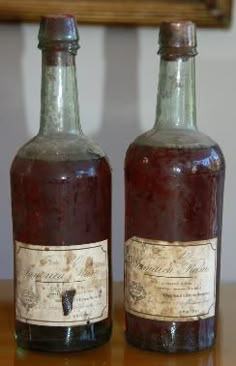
59 29
177 39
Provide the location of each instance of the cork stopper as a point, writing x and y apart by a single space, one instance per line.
177 39
58 31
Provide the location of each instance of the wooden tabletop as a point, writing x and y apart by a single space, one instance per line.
118 352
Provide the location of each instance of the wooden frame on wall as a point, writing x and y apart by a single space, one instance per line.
206 13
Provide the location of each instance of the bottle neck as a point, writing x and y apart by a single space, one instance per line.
176 101
59 95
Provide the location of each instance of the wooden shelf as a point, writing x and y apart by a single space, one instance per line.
206 13
118 352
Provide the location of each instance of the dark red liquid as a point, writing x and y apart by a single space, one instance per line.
55 202
173 194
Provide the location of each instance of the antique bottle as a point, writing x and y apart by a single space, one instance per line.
174 182
61 211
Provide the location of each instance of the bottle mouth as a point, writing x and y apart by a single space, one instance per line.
59 32
177 39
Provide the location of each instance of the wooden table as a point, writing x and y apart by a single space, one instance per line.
118 352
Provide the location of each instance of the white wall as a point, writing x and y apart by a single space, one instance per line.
117 72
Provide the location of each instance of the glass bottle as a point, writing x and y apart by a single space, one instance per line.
174 182
61 211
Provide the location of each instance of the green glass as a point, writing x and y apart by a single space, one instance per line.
174 183
61 196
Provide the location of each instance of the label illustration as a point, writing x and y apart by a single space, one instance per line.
61 285
170 281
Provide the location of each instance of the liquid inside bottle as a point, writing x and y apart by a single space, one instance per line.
174 181
61 209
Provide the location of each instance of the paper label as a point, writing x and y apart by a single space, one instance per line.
170 281
61 285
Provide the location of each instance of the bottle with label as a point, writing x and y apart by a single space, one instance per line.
174 182
61 210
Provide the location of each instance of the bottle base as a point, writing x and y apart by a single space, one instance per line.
154 347
170 337
70 343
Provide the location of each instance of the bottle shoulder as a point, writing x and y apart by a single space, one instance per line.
174 138
188 153
65 164
61 147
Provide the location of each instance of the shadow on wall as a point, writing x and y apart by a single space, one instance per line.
120 121
13 131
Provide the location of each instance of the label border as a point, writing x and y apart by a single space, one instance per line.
168 244
65 248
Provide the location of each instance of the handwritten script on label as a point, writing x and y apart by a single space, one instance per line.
170 281
61 285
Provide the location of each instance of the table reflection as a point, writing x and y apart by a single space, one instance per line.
134 356
97 357
119 353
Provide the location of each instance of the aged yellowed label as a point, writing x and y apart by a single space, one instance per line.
61 285
170 281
